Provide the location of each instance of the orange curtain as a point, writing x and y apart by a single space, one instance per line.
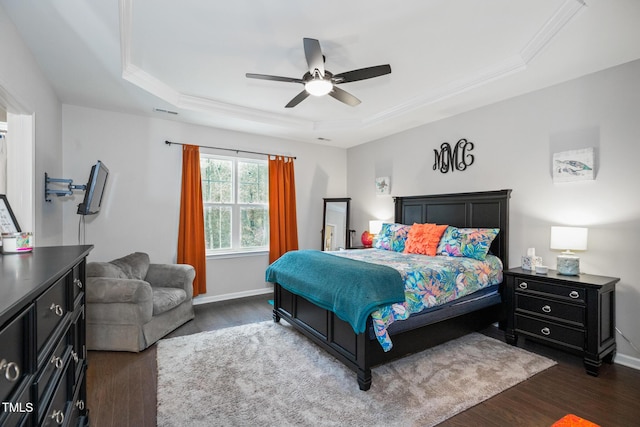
283 225
191 245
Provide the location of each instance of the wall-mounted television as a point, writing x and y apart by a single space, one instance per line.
94 190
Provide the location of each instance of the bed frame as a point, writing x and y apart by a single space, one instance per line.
361 352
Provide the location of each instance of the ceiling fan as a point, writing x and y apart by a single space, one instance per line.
319 82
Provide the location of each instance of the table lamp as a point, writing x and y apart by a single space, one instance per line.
568 239
367 237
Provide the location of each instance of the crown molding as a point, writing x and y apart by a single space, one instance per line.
551 28
517 63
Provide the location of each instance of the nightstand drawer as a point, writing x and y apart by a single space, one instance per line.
546 307
573 293
551 331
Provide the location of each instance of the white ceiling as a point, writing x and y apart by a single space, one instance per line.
191 56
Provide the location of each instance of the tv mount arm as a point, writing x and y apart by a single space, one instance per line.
70 187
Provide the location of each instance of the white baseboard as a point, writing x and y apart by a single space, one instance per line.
631 362
205 299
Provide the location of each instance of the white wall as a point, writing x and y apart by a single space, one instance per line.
140 210
514 143
25 91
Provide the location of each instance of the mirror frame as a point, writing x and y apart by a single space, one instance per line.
347 200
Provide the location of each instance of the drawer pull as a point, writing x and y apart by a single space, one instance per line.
58 416
80 405
545 331
74 356
57 309
11 370
78 283
57 362
574 294
523 285
546 309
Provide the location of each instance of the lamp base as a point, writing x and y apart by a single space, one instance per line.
568 265
366 239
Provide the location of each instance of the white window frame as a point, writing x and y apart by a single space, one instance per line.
235 210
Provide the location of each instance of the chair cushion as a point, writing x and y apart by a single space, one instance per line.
134 266
105 269
164 299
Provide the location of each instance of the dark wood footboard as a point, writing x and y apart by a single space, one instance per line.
357 351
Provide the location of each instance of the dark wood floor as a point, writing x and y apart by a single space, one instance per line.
121 387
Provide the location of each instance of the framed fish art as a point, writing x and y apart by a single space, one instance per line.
574 165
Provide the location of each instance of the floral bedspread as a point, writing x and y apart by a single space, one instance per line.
429 281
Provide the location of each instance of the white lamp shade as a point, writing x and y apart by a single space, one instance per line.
569 238
375 226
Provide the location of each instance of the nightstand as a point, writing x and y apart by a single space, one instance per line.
574 313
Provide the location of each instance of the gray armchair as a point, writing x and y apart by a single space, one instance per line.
132 303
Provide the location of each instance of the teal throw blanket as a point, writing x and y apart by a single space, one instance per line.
351 289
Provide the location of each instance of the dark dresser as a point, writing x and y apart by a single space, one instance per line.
574 313
42 337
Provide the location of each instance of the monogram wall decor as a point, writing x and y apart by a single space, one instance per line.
453 158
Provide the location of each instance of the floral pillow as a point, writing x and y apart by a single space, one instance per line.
392 237
424 238
467 242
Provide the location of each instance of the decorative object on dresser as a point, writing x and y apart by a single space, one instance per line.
132 303
569 238
42 336
573 313
8 221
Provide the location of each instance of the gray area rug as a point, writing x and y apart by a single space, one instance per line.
267 374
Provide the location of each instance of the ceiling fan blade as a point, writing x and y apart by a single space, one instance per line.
313 53
274 78
344 96
298 99
362 74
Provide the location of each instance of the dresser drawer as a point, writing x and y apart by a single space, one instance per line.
551 331
77 286
54 365
57 409
51 308
13 357
570 313
77 340
574 293
17 413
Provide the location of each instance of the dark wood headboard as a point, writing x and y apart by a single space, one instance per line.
486 209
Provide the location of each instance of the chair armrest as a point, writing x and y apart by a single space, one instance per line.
109 290
172 276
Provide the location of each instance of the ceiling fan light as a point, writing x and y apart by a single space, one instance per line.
318 87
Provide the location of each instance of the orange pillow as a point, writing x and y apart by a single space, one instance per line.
424 239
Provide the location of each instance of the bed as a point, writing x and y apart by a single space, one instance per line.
360 351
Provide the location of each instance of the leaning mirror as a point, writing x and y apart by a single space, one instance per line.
335 224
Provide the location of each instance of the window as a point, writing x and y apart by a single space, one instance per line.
235 194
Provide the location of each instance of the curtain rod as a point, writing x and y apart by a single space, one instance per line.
231 149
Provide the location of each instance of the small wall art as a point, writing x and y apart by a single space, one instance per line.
574 165
383 186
